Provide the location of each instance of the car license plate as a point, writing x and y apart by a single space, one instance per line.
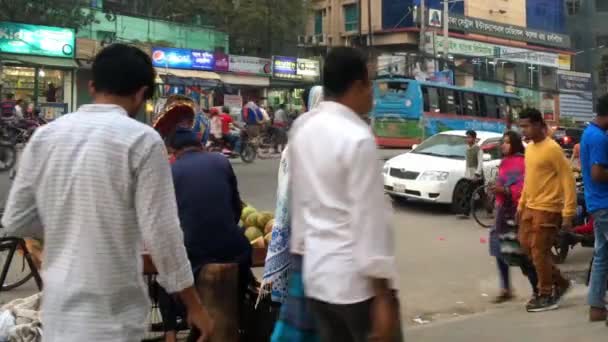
398 187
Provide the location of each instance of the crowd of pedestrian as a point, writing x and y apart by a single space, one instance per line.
98 186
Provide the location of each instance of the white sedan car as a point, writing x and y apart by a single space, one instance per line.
434 170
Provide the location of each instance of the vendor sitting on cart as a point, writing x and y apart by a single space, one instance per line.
209 207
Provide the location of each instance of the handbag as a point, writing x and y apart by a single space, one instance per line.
510 248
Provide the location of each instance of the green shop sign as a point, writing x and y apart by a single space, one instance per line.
37 40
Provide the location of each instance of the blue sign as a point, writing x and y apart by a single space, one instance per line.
182 59
285 67
202 60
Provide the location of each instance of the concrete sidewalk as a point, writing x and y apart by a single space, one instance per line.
513 324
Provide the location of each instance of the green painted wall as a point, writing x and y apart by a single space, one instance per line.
155 31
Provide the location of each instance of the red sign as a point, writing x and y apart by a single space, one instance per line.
221 62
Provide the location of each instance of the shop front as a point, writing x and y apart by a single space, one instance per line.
247 77
37 66
185 72
290 77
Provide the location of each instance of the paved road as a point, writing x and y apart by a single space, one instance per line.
443 260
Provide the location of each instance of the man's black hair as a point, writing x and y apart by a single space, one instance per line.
182 138
343 66
532 114
471 133
122 70
226 110
602 106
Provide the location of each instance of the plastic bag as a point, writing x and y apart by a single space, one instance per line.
7 322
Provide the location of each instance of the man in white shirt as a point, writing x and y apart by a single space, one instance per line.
97 184
340 222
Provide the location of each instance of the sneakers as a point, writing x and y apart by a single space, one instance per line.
561 291
542 303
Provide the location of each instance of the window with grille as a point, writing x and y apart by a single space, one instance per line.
351 17
601 5
573 6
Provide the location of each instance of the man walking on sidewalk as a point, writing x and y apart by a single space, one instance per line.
340 221
99 184
594 162
548 199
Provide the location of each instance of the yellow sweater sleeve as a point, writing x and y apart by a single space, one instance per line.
566 178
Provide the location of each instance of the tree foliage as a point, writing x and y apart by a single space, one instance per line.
255 27
64 13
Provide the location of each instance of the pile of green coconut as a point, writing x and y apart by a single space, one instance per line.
257 226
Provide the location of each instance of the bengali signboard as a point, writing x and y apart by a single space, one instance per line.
182 59
491 28
37 40
250 65
572 81
285 67
309 68
511 54
576 95
518 55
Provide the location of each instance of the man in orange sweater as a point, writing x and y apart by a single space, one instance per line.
548 200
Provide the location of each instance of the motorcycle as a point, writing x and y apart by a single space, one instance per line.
247 153
581 234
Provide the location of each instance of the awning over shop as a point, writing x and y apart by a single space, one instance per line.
246 80
189 78
38 61
285 84
207 75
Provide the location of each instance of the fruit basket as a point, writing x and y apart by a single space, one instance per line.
257 227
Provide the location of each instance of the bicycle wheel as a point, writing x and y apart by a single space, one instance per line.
15 268
482 207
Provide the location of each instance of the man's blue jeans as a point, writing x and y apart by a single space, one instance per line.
235 142
599 270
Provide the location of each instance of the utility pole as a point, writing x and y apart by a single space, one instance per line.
360 22
370 34
446 29
422 19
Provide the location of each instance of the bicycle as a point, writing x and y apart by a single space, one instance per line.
483 207
12 280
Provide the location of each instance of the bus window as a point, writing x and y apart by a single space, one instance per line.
470 104
502 107
459 100
431 99
394 87
490 108
448 101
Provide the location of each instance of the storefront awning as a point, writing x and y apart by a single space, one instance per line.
188 81
206 75
38 61
247 80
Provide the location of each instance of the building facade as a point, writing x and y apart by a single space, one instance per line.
513 46
587 24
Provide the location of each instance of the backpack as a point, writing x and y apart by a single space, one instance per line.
252 115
